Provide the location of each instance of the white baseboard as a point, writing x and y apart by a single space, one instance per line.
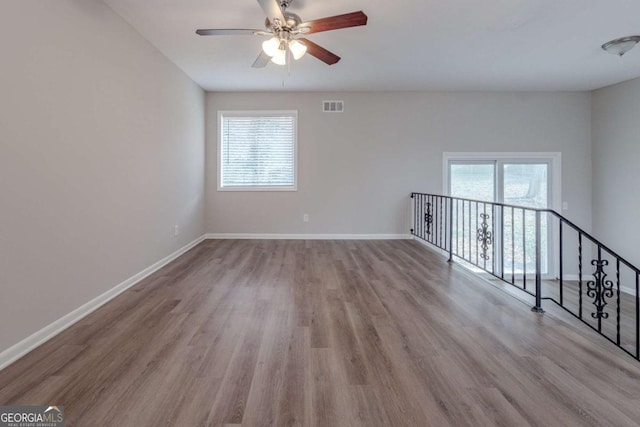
275 236
18 350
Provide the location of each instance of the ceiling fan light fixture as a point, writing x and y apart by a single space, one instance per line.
270 47
280 57
621 46
298 49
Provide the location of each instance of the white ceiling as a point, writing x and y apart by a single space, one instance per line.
545 45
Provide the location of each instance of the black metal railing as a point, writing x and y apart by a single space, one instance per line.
541 253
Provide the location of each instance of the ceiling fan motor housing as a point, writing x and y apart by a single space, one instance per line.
292 22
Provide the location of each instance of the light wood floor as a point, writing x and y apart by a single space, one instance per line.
324 333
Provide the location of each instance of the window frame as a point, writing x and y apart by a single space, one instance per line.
258 113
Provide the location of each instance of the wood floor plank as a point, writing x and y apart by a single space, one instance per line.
269 373
295 402
324 333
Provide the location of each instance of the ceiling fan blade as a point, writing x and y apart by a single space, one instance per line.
272 10
230 32
319 52
261 61
347 20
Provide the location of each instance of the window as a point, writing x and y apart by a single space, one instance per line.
257 150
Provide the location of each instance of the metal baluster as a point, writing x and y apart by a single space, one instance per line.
538 307
457 228
463 227
429 225
434 214
418 216
438 223
561 269
580 275
469 232
417 208
427 229
476 227
427 235
440 220
422 221
502 244
413 202
484 258
513 247
422 234
422 216
434 225
599 290
618 301
524 252
637 315
451 230
445 220
436 234
424 224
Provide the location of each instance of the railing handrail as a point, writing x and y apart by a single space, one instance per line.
543 210
488 228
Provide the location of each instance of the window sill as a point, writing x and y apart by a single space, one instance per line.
257 189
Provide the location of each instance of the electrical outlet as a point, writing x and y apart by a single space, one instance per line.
305 218
565 206
176 230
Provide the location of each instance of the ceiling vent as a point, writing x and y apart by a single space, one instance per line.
332 106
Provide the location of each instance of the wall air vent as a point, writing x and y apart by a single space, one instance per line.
332 106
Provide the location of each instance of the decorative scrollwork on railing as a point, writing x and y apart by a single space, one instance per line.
428 217
484 236
600 289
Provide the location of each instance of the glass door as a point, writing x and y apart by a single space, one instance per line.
473 180
524 184
509 181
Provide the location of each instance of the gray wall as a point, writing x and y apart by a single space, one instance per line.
616 169
101 142
356 169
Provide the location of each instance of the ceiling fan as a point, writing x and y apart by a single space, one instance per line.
284 29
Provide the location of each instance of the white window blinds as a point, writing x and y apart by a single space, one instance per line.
257 150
